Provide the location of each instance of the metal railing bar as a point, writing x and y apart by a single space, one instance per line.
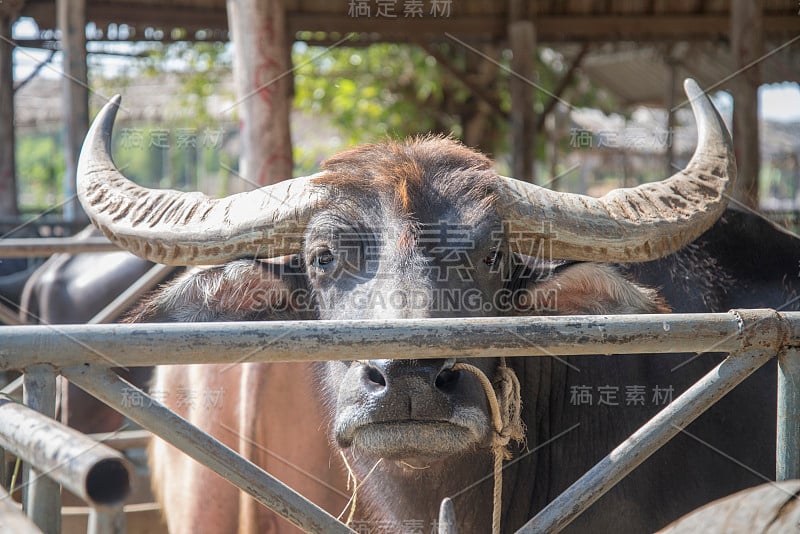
154 416
42 495
12 387
124 440
626 457
47 246
283 341
788 431
106 521
94 472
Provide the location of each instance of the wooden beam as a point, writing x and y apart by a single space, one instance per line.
71 16
8 186
746 48
550 28
263 84
522 39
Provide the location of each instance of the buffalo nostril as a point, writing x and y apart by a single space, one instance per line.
375 376
446 380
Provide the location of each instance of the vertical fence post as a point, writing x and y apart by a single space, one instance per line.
106 521
788 436
42 498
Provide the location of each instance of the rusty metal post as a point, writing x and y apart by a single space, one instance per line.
42 498
788 435
154 416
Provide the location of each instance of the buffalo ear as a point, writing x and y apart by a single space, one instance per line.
586 289
242 290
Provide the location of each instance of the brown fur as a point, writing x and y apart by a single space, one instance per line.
406 169
269 413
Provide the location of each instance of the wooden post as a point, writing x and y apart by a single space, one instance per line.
263 85
746 48
522 40
71 15
669 103
8 184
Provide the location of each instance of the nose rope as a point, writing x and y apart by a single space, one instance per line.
505 404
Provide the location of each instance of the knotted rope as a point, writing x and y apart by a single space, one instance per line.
505 405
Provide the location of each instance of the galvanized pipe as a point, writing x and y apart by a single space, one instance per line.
42 497
158 344
94 472
788 435
12 519
154 416
759 334
47 246
106 521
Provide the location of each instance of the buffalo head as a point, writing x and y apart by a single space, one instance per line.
420 229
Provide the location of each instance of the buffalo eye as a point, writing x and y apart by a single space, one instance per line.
322 257
493 258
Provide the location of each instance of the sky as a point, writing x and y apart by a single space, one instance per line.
779 102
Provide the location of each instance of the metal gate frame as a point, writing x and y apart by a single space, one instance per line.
750 337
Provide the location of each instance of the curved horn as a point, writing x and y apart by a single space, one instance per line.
630 224
177 228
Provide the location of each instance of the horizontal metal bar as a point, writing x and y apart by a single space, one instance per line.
657 431
47 246
122 441
788 436
156 344
94 472
154 416
12 519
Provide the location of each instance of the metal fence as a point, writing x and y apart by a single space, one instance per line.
751 337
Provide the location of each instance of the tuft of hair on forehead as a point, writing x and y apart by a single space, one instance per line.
412 170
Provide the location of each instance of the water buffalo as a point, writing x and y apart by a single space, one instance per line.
425 228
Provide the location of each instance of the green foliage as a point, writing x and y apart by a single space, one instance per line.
397 90
374 92
40 170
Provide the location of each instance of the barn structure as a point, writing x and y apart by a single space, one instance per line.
729 44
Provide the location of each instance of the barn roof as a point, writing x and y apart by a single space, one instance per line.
556 21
